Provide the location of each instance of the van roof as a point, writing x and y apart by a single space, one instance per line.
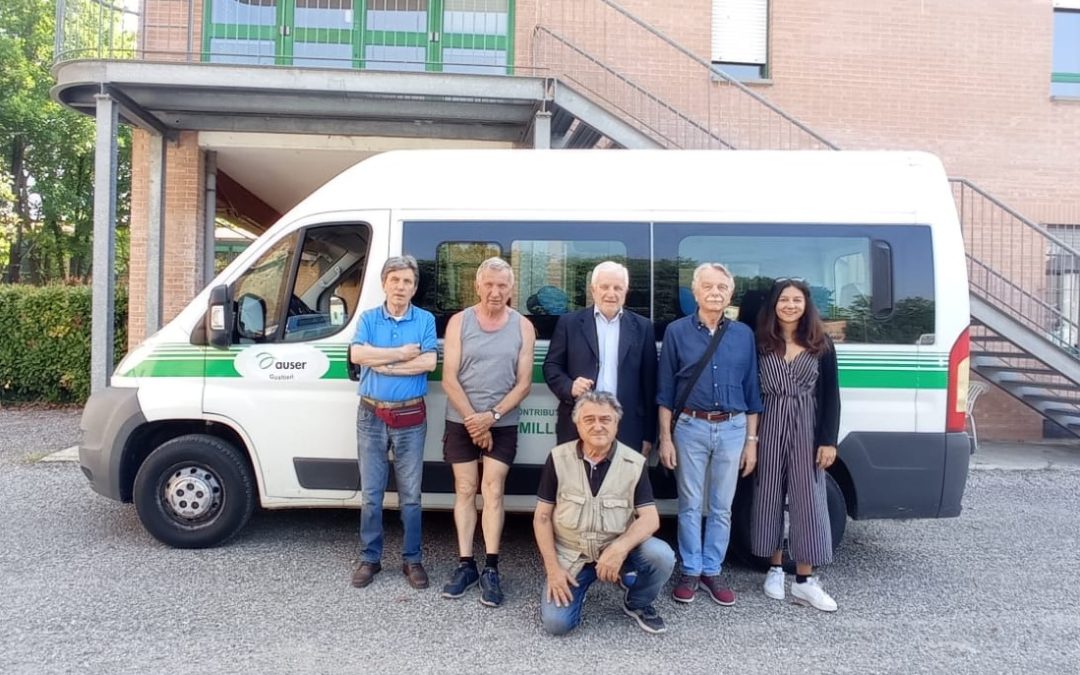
809 182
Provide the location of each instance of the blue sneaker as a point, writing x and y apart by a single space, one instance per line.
464 578
491 594
647 619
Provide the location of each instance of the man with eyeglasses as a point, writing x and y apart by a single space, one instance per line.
594 520
709 406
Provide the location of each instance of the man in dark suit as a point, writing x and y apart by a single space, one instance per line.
604 347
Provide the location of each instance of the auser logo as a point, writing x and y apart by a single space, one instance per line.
282 363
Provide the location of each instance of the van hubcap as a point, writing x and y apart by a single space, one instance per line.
193 492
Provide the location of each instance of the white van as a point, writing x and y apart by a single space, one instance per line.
245 398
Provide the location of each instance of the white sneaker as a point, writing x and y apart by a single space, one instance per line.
811 593
774 583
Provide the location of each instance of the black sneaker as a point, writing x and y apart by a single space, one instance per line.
464 578
647 618
491 594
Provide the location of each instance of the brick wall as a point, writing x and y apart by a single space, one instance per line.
184 228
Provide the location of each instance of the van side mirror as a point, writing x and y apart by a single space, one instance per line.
251 317
219 317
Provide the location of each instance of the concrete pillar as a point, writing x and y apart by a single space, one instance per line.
210 212
542 130
155 235
104 285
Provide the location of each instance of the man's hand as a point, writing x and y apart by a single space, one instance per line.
826 455
609 563
646 448
559 581
478 423
749 458
408 352
580 386
667 453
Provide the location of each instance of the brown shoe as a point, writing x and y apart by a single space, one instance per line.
365 573
415 574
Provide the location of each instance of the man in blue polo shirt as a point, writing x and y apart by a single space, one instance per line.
716 426
395 345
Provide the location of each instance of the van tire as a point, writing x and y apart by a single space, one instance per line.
742 509
177 475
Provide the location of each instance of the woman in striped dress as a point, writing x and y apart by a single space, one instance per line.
801 393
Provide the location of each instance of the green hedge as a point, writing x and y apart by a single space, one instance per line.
45 342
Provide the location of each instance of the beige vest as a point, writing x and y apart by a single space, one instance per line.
584 525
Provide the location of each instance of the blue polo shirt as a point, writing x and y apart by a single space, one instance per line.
378 329
728 383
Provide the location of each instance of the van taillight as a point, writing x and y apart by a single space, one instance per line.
959 374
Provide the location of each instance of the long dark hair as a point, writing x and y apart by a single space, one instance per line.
810 333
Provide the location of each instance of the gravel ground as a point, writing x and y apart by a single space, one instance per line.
85 588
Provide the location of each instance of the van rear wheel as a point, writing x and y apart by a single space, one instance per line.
742 521
194 491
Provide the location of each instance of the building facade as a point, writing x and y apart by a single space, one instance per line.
993 88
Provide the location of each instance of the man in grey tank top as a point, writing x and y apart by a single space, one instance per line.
487 373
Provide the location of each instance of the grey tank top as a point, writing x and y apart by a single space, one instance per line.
488 369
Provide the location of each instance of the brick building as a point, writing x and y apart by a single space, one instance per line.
992 88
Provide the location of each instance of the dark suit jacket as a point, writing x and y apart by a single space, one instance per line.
574 352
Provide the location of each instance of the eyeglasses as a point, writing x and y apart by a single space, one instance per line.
781 280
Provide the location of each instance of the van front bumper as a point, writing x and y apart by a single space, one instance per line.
108 420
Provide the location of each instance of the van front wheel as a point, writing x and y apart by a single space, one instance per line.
194 491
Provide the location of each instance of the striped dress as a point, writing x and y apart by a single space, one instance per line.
786 463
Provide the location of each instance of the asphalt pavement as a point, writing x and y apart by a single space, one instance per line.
85 588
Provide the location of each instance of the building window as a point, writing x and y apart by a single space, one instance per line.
740 38
1063 282
1065 73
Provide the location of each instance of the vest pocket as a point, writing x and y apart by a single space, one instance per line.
615 514
568 510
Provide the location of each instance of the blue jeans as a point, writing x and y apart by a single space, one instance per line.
707 455
653 561
374 440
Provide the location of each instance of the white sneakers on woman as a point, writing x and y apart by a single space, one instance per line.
774 583
811 593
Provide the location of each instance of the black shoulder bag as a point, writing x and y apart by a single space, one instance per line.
680 402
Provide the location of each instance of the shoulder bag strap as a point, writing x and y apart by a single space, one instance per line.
680 402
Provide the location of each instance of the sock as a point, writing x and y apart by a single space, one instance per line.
776 567
467 560
492 561
801 578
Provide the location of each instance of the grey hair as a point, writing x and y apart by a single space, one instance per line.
495 264
610 266
400 262
598 397
719 267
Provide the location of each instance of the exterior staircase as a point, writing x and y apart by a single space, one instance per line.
1024 316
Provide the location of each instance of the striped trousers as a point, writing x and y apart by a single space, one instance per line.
786 469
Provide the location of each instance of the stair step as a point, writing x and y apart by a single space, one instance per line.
1053 398
1001 354
990 337
1015 369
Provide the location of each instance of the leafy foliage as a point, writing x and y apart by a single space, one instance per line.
45 350
47 159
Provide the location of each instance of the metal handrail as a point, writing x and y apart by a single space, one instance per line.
718 73
1030 223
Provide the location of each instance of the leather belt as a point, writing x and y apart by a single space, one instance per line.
388 405
718 416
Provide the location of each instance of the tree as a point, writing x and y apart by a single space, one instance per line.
46 156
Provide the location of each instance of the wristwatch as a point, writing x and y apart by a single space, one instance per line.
751 438
496 414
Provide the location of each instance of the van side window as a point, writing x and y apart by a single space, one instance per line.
551 263
303 294
870 284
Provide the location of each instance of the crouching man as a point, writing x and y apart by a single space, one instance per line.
595 518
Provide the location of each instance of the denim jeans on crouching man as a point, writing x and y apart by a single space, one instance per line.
374 440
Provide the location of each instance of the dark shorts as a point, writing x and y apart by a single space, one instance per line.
458 446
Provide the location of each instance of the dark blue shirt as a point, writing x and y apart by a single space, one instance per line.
378 329
728 383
